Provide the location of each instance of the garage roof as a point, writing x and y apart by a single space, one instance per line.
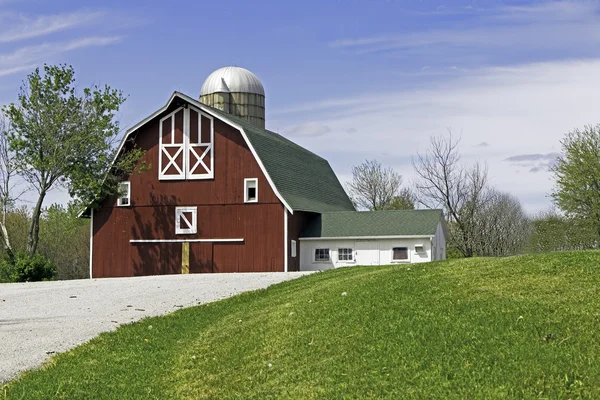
374 223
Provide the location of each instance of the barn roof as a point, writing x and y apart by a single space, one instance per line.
301 179
358 224
305 180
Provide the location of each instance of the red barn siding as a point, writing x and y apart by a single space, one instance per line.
222 214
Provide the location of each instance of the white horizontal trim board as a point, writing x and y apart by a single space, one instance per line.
368 237
182 240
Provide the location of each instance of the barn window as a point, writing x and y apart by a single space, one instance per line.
419 248
345 255
124 194
185 220
321 255
250 190
293 248
400 254
186 139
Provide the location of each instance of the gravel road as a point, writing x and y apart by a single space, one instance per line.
40 319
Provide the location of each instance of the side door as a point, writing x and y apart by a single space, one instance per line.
367 252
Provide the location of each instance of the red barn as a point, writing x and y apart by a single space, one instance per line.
222 194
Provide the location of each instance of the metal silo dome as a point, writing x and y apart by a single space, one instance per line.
236 91
236 79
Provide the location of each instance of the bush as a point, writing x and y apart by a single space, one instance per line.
27 269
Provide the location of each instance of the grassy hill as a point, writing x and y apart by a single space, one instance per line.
523 327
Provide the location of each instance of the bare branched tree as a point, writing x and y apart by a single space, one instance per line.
501 225
372 186
443 182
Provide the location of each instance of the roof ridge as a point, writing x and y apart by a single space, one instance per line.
379 211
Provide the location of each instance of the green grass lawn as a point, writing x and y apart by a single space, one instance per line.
522 327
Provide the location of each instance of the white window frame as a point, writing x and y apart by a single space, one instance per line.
246 181
293 248
186 148
401 260
422 248
124 194
351 254
321 261
193 224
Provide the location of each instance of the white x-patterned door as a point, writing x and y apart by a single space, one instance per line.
200 150
186 142
171 161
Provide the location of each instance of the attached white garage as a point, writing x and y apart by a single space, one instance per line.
346 238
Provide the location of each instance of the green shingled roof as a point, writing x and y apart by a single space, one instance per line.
374 223
305 180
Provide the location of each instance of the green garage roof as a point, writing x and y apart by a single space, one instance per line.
374 223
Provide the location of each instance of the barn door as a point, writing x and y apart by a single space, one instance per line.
171 163
200 148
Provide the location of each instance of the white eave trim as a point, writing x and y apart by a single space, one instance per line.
369 237
207 110
184 240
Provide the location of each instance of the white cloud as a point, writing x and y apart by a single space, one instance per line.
309 129
14 27
523 109
551 26
29 56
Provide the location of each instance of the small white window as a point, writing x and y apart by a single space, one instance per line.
419 248
250 190
185 220
124 194
345 255
293 248
321 255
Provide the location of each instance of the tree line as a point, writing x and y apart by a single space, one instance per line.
58 137
480 219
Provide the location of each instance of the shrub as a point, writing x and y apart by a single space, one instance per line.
27 269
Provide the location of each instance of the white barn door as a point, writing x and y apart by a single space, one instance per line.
367 252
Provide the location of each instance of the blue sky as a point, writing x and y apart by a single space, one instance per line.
349 80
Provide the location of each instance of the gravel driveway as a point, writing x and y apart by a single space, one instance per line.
40 319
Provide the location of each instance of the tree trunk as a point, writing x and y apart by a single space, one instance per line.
33 233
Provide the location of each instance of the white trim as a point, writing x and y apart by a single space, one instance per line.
192 226
207 110
367 237
246 181
183 240
128 196
285 240
91 239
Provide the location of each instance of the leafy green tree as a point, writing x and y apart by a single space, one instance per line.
577 174
405 200
60 225
61 138
552 231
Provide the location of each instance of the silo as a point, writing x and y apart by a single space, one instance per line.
236 91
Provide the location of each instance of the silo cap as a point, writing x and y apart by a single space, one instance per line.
233 80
